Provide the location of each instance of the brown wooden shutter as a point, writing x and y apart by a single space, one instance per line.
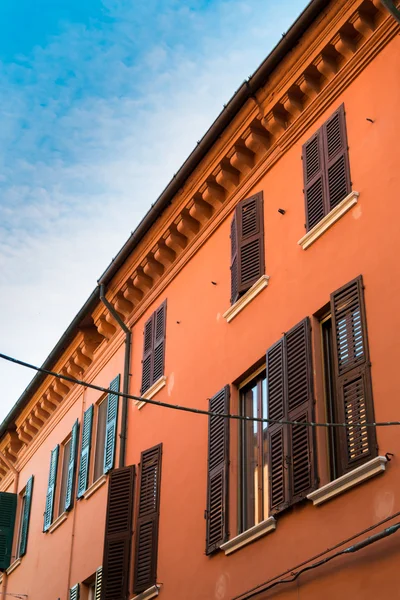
147 362
218 473
118 534
354 405
337 171
159 342
146 547
314 179
250 227
234 261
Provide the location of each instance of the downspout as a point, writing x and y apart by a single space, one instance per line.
125 384
8 464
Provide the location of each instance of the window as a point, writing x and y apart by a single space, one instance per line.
326 168
100 439
254 453
347 378
66 454
247 245
154 348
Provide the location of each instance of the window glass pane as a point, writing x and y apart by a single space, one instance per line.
64 476
250 475
100 439
20 521
265 448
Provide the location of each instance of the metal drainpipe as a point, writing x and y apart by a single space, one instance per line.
3 592
125 385
395 12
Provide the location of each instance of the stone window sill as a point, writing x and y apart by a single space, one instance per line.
249 536
13 566
56 524
255 289
147 594
346 482
152 391
95 486
329 219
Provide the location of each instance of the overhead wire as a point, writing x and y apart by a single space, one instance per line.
192 409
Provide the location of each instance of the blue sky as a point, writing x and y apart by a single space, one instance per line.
100 103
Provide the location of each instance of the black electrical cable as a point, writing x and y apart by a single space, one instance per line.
198 411
262 587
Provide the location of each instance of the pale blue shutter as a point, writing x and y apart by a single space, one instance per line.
111 426
97 585
74 592
69 493
83 475
51 488
25 518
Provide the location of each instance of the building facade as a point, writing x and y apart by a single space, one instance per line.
261 285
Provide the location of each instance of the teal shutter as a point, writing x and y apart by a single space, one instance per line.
8 509
111 426
74 592
83 475
25 518
97 585
51 488
69 493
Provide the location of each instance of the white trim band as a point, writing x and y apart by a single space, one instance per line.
250 535
346 482
152 391
329 219
150 593
56 524
13 566
255 289
95 486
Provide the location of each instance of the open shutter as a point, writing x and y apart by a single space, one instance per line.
25 518
159 342
111 426
74 592
234 260
118 535
218 472
277 433
147 362
146 547
250 226
314 180
69 492
51 488
8 508
97 583
354 405
83 475
300 404
337 172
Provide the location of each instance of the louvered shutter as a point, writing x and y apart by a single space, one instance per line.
250 226
234 261
314 179
337 172
74 592
300 408
277 434
8 508
69 492
146 547
83 474
159 342
118 535
51 488
111 426
354 405
147 362
97 583
25 518
218 472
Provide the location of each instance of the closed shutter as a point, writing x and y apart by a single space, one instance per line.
354 405
218 472
234 261
97 583
159 342
111 426
290 398
337 172
118 534
250 225
314 179
147 362
69 492
8 508
51 488
146 547
83 474
74 592
25 518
